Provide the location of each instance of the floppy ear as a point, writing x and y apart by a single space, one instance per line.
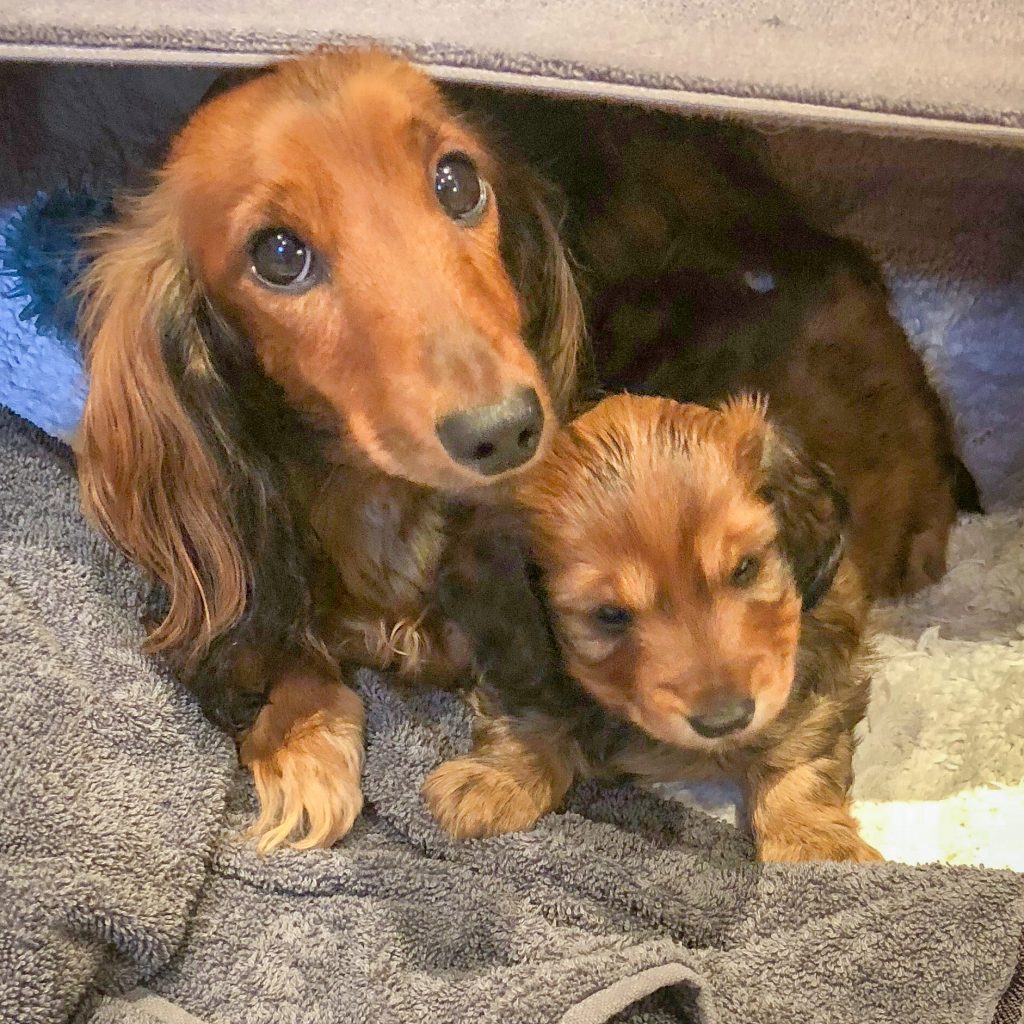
537 261
168 468
809 507
811 511
489 588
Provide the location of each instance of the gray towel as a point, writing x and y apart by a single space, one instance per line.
113 784
121 864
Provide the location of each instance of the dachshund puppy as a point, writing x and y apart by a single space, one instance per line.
692 616
704 278
336 308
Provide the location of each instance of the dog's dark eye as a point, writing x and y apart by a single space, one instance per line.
460 190
612 619
746 572
280 259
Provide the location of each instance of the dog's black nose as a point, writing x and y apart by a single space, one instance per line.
730 714
493 439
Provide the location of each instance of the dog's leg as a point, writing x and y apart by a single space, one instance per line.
926 552
512 777
306 755
803 814
517 770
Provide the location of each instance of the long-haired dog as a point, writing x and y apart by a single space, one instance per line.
671 602
703 277
336 307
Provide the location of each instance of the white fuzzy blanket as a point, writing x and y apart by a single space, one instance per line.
940 770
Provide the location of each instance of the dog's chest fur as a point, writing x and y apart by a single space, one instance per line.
385 539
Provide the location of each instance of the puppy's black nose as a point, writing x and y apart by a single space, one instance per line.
730 714
493 439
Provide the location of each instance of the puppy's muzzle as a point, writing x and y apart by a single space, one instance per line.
493 439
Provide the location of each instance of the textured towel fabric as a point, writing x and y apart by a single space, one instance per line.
119 867
925 59
113 783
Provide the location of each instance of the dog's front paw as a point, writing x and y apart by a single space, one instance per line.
306 756
310 794
836 844
471 799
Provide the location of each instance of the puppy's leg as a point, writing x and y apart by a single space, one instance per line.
802 814
305 751
517 770
513 776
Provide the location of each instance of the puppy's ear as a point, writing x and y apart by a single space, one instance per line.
809 507
811 511
489 588
537 261
167 469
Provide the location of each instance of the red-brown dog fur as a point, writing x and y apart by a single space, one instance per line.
272 458
704 277
649 506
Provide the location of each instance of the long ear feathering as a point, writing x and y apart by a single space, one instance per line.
530 211
147 478
812 513
810 509
167 466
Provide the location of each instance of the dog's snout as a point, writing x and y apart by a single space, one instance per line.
724 716
493 439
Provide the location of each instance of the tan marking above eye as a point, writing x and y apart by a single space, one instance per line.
425 136
637 587
585 642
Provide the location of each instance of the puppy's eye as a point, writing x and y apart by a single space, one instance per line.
460 190
282 260
612 619
746 572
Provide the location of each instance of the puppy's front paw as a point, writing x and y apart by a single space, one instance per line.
471 799
837 844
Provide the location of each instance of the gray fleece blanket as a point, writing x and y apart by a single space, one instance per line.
928 65
127 894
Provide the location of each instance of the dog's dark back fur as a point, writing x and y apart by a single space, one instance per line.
703 277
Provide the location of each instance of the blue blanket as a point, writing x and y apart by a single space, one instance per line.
41 373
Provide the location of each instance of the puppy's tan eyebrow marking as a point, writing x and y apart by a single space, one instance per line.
637 585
